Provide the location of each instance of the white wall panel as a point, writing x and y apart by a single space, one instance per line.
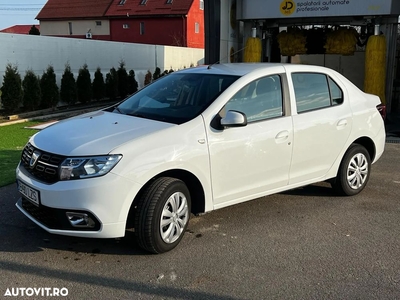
37 52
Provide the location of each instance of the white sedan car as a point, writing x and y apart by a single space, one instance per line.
197 140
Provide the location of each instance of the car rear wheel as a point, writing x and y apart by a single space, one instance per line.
353 172
162 215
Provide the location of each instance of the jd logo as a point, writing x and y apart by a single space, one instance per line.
288 7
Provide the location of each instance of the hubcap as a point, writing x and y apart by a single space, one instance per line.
357 171
174 217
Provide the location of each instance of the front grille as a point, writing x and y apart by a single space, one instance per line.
46 166
55 218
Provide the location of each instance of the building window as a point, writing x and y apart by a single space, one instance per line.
196 27
70 27
141 28
169 1
121 2
125 26
202 4
98 23
143 2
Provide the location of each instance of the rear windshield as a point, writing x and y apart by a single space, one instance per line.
176 98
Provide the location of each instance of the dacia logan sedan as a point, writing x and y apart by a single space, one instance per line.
194 141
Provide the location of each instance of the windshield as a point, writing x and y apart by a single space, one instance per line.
176 98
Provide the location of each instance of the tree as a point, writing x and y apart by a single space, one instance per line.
11 95
147 78
84 85
98 86
68 86
31 91
157 74
122 80
132 83
49 89
34 30
112 84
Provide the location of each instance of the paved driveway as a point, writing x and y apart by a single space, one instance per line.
302 244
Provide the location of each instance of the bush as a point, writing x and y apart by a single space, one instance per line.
11 95
112 84
31 91
122 80
157 74
132 83
147 78
68 86
49 89
98 86
34 30
84 85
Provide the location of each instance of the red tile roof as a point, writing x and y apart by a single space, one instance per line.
152 7
61 9
19 29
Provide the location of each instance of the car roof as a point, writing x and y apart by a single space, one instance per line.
241 69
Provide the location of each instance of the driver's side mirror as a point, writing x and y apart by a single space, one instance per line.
234 118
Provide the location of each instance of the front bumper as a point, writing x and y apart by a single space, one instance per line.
105 199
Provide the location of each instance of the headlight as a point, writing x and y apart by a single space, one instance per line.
86 167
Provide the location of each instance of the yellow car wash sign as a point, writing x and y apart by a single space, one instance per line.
288 7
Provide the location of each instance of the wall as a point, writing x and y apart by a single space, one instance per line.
79 28
230 46
352 66
164 31
195 15
37 52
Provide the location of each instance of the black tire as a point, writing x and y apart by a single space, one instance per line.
354 171
150 211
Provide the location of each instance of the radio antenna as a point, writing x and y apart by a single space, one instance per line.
217 62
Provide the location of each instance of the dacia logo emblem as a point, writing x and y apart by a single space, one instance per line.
34 159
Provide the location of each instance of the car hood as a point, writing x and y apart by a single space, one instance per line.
94 133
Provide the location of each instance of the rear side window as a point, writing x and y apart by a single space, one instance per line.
314 91
336 92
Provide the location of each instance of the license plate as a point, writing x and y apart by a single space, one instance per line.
29 193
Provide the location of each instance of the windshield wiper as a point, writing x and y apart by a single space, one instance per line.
118 110
135 114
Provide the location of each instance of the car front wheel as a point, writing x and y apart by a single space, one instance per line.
353 172
162 215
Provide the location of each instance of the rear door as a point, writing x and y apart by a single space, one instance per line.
322 124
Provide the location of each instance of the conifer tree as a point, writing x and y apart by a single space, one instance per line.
31 91
11 95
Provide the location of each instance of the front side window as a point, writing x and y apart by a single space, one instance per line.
259 100
176 98
315 91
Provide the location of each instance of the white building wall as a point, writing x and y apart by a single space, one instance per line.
29 52
78 27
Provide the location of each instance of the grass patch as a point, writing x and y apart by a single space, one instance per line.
12 140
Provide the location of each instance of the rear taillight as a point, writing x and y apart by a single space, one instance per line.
382 110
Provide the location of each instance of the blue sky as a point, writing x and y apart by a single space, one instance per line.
19 12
